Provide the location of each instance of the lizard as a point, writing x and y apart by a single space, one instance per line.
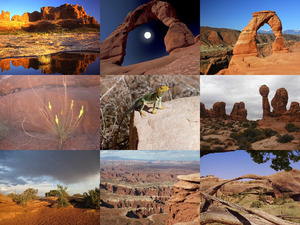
154 97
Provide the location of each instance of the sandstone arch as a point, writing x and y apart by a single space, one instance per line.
178 35
246 43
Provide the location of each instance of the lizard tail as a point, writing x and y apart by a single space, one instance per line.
115 139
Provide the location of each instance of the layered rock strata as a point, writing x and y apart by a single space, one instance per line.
184 205
178 36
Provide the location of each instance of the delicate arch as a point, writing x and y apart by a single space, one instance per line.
246 43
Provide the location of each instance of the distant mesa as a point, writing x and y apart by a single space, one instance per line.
279 104
239 112
63 12
178 36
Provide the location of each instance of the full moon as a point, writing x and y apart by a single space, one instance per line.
147 35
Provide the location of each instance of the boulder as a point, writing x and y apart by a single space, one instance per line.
279 102
160 130
5 16
239 112
113 47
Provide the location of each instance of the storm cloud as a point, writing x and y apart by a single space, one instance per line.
68 167
232 89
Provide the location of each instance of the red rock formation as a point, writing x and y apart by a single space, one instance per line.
279 102
246 44
264 92
5 16
218 110
184 205
239 112
113 47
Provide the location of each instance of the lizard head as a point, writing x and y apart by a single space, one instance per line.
162 89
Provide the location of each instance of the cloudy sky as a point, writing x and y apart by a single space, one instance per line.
230 165
43 170
170 155
232 89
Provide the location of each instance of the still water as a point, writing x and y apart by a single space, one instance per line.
61 63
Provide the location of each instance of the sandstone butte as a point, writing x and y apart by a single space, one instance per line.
184 205
218 111
245 60
178 38
75 14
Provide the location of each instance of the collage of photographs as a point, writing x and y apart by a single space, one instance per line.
107 106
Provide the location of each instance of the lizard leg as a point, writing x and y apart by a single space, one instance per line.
159 104
154 107
141 110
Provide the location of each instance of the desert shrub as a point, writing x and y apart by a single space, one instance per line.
78 195
290 127
253 124
204 147
285 138
27 195
246 124
52 193
256 204
62 200
3 131
62 121
92 199
244 145
268 132
261 197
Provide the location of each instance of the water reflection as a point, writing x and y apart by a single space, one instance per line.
61 63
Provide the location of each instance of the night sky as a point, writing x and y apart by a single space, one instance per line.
139 49
19 7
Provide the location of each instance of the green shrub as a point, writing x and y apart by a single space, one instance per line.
256 204
62 200
285 138
92 199
52 193
27 195
290 127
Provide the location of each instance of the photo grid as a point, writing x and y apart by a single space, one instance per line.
249 113
100 124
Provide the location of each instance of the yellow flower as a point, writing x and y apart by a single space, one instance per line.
72 104
56 119
81 111
50 107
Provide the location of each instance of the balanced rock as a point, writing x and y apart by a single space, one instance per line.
246 44
264 92
113 47
239 112
5 16
279 102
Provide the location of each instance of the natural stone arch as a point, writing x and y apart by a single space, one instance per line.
246 43
178 35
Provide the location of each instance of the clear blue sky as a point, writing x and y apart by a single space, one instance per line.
19 7
173 155
230 165
236 14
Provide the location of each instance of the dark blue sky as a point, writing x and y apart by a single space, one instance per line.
18 7
230 165
113 13
236 14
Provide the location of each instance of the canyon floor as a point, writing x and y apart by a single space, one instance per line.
40 212
137 192
225 134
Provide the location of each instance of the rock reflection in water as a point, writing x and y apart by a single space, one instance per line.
62 63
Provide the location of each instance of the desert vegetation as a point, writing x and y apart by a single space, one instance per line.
118 93
23 198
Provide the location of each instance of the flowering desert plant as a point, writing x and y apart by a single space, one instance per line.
61 121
